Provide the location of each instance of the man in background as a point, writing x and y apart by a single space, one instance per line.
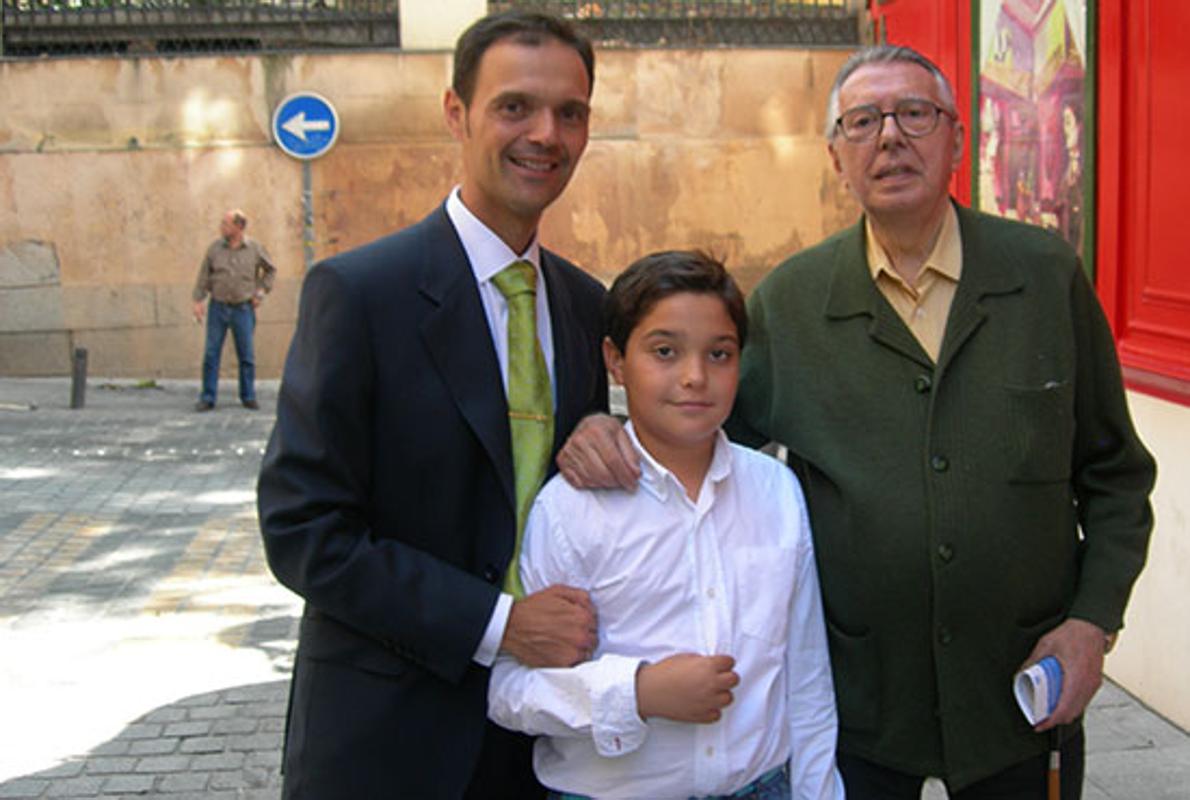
236 273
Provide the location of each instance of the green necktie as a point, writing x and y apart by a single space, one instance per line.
530 404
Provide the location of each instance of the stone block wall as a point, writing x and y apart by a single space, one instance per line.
114 174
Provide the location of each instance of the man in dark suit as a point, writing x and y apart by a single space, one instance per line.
387 496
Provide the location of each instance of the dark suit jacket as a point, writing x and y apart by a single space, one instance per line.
386 501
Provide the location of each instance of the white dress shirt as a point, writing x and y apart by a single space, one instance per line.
732 573
488 255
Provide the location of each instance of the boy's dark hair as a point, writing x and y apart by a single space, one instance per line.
523 27
655 277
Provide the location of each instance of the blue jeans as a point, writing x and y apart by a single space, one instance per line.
241 318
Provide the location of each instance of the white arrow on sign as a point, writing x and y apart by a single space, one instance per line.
298 125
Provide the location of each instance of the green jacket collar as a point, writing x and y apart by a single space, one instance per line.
989 268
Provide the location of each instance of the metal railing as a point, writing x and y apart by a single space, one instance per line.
702 23
128 27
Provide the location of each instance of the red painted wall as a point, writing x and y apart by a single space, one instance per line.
940 30
1142 165
1144 189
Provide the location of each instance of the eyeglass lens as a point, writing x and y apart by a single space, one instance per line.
914 118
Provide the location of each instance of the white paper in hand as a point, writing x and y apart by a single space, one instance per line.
1037 689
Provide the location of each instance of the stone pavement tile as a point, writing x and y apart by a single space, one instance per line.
164 746
234 725
152 764
108 765
1130 727
219 761
1154 774
86 786
128 784
184 782
24 787
204 744
189 727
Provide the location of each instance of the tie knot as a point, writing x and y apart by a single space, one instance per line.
518 277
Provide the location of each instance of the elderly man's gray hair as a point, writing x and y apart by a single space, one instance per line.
884 54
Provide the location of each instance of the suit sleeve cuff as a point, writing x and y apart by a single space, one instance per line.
489 645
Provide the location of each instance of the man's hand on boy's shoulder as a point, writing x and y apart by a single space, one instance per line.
555 627
599 455
686 687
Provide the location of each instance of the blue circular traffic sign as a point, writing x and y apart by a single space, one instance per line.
305 125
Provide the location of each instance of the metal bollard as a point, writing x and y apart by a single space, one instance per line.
78 378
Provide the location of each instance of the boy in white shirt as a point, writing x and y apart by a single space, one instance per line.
711 678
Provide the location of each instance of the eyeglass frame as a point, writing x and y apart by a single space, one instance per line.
939 112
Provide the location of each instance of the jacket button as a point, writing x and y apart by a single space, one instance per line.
945 552
491 574
923 383
944 636
939 464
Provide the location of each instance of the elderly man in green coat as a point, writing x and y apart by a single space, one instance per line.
949 392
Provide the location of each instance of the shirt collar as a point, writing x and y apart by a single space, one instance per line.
946 258
659 481
486 251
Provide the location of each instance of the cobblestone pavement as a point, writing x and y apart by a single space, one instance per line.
145 648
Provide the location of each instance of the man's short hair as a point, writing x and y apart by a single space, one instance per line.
655 277
523 27
238 217
883 54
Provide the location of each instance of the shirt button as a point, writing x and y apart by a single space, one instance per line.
939 464
923 383
710 752
711 593
945 552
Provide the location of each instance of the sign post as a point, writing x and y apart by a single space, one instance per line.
306 126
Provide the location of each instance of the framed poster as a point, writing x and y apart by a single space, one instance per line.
1034 115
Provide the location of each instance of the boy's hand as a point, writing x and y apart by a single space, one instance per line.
555 627
599 455
686 688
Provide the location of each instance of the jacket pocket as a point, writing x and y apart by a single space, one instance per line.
855 662
1040 432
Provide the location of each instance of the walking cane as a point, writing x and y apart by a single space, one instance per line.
1054 776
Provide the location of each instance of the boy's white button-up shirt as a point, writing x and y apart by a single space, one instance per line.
732 573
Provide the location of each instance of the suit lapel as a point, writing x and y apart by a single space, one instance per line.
569 351
455 333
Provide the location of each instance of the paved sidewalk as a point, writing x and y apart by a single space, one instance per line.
145 648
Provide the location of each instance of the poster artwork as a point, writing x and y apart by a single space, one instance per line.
1032 145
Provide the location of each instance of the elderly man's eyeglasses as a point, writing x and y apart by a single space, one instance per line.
915 118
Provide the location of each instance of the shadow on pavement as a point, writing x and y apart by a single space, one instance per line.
219 744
